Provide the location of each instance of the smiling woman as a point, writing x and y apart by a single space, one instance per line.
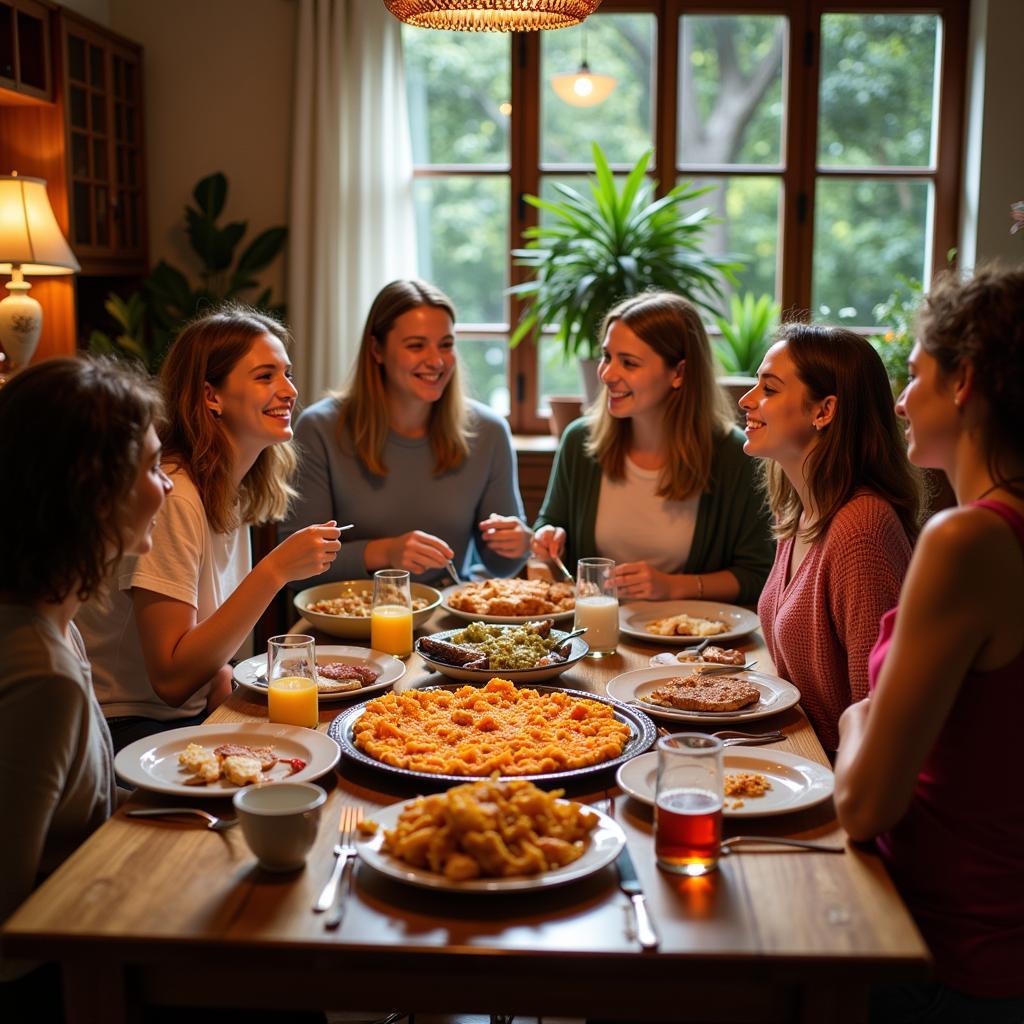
426 474
161 632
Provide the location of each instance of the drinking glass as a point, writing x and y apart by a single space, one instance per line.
688 803
597 605
291 680
391 617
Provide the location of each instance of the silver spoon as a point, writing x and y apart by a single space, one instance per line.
214 824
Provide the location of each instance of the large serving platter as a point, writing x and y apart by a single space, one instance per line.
797 782
507 620
635 616
577 651
152 762
356 627
775 694
252 673
641 729
603 846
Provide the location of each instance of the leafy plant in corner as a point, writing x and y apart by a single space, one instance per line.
150 319
747 333
897 315
615 242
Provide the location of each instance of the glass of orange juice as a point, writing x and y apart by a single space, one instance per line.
391 617
291 680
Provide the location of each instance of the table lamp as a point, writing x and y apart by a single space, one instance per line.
30 243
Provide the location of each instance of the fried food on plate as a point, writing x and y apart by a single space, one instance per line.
513 598
704 693
686 625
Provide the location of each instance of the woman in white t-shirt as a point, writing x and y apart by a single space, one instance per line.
161 638
655 477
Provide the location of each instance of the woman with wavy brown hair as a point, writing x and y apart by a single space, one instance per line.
80 459
655 477
846 506
425 474
160 639
928 763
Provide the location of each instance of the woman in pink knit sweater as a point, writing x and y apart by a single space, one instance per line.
845 502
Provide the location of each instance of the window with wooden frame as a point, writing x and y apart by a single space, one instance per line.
832 132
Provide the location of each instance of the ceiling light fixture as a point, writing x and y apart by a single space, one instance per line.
492 15
583 88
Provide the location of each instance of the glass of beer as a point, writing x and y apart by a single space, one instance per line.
688 803
291 680
391 615
597 605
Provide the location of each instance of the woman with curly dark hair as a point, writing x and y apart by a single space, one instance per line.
928 763
80 459
845 504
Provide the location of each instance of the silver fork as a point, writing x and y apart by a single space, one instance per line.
213 823
344 851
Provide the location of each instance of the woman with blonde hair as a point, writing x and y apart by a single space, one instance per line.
160 639
928 762
845 503
81 459
425 474
654 477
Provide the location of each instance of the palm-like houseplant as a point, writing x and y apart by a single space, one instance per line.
594 250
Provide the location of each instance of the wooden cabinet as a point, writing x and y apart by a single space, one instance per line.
102 95
25 63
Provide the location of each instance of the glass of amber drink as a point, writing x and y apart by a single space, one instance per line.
688 803
391 615
291 680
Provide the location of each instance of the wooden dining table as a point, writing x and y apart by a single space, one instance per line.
163 912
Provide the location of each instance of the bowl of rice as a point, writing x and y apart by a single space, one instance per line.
343 608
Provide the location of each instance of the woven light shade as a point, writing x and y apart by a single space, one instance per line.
492 15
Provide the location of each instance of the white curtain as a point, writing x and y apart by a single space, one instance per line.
352 220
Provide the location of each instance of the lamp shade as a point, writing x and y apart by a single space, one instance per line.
29 234
584 88
492 15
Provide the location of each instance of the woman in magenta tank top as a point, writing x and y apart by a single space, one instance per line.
929 763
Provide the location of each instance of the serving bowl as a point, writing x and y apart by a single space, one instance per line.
577 650
356 627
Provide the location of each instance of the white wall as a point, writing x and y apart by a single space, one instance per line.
218 80
994 144
97 10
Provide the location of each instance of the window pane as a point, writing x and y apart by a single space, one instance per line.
484 366
458 93
730 89
462 233
620 45
865 233
749 211
557 377
878 90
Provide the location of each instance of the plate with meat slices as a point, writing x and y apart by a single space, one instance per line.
342 672
218 760
691 695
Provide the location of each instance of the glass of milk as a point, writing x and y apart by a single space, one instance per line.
597 605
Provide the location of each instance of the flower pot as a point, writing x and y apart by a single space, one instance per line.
564 409
590 381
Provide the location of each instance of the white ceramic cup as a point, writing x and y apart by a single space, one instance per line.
279 821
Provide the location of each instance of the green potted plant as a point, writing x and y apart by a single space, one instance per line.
150 319
596 249
897 315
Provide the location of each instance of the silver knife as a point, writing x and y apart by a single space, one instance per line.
630 885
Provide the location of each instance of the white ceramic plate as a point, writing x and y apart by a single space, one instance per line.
517 675
797 783
507 620
152 762
603 847
676 660
633 619
776 695
390 668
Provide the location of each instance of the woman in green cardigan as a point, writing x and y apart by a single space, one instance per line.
655 476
